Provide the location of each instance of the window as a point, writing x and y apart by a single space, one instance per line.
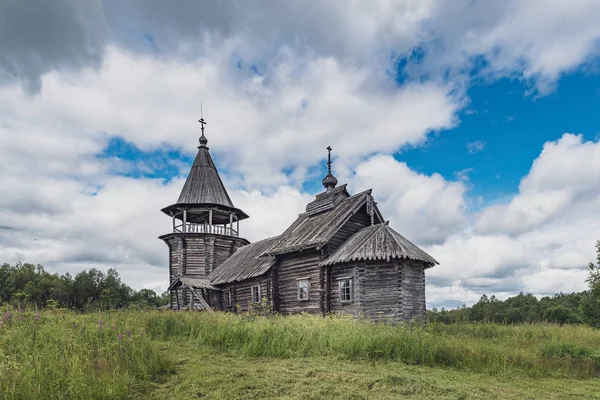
346 290
256 294
227 298
303 289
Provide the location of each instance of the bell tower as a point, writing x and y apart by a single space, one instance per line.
205 233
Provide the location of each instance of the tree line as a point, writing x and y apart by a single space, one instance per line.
26 284
573 308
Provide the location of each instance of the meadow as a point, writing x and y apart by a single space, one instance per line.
58 354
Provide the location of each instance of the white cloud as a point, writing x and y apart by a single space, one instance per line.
542 240
476 146
326 77
535 40
426 209
565 173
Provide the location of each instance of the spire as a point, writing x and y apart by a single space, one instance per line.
329 181
203 140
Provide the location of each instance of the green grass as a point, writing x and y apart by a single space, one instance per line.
205 372
541 350
161 354
58 355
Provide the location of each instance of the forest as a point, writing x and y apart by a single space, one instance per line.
572 308
24 284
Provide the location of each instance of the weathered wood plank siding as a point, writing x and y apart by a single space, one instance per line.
289 270
241 293
378 285
413 290
336 305
196 255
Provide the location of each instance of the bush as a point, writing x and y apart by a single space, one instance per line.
561 315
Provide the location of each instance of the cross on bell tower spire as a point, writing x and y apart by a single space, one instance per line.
329 181
203 140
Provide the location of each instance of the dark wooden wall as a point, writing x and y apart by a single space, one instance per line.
290 268
413 290
378 288
241 293
196 255
389 291
335 305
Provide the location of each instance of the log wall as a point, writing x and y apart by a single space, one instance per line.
241 293
413 288
289 270
379 288
196 255
335 304
389 291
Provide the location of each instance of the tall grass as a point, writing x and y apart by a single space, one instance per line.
534 350
64 355
59 354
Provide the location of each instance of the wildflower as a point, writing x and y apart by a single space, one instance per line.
120 336
99 324
128 333
7 316
37 317
20 318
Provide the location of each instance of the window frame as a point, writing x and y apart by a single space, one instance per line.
227 298
252 293
349 288
298 282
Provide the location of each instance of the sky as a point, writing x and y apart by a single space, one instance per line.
474 122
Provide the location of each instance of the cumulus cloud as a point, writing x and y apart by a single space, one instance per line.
566 173
426 209
541 241
39 36
538 40
279 82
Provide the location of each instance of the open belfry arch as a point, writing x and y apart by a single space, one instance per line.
339 255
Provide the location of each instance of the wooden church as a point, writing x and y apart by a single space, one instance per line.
339 255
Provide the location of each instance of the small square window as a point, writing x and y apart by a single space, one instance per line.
227 298
303 289
256 294
346 292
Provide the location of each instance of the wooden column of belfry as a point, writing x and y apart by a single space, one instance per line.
202 236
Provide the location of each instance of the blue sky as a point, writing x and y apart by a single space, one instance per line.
512 124
499 133
473 122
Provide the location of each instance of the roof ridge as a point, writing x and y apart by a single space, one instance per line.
368 191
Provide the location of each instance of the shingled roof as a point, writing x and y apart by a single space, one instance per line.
378 242
311 230
203 185
245 263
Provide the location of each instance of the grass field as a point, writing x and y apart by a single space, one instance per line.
160 355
